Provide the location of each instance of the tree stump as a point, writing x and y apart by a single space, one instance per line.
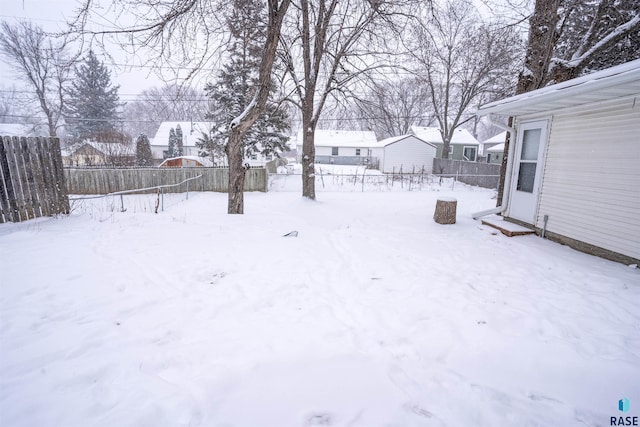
445 210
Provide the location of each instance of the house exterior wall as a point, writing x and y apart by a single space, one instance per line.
342 151
591 181
346 156
494 157
323 151
458 150
409 154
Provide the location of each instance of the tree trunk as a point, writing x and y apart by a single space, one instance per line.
308 159
445 149
236 173
241 124
445 212
542 39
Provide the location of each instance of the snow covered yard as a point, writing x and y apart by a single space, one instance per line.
373 316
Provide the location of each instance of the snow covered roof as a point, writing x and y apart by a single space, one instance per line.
341 138
614 82
496 148
432 135
499 138
394 139
204 161
191 131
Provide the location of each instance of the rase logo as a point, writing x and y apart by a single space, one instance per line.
623 406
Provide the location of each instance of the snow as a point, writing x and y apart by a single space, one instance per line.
373 315
204 161
340 138
609 83
191 132
432 135
499 138
498 148
385 142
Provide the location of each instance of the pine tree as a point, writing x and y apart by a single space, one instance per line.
93 102
143 151
235 87
172 150
179 142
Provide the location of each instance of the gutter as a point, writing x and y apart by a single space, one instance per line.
507 181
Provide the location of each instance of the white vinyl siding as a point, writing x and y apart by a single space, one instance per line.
320 151
410 154
591 181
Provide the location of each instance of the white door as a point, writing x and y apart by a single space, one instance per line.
527 171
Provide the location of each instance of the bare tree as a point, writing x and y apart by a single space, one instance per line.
117 147
190 32
171 102
42 63
10 106
331 44
390 106
462 61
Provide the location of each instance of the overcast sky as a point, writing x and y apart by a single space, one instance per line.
52 15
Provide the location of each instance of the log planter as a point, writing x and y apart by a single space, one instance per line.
445 210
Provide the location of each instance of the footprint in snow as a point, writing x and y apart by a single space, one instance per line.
217 277
318 420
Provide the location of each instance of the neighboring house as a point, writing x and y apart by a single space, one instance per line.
463 145
495 154
90 153
344 147
186 162
492 142
406 153
574 161
191 133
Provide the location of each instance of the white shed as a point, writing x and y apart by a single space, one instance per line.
574 164
407 153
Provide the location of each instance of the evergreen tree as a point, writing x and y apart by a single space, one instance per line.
93 102
179 142
235 86
143 151
172 150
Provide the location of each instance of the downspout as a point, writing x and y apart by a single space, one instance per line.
507 180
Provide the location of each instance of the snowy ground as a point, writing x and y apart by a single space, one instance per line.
373 316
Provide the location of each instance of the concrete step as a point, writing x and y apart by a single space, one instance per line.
507 228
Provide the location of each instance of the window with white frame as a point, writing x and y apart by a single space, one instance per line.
469 153
357 151
450 150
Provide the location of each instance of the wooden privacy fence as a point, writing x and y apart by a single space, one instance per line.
473 173
32 178
105 181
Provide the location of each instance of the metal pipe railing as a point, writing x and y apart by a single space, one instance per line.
138 190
